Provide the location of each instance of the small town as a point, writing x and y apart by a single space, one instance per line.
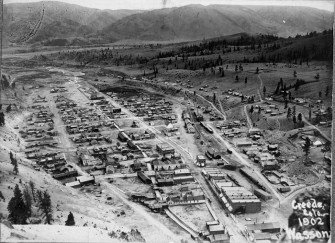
149 151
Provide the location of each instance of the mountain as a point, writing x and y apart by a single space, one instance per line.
57 23
193 22
40 21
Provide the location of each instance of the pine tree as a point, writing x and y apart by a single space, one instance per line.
289 113
307 147
300 117
9 108
251 109
17 209
277 89
294 112
2 119
246 80
14 163
27 200
32 188
11 157
44 205
264 90
70 220
39 197
294 119
16 167
286 103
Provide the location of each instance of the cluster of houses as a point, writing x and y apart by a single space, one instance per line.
125 136
91 138
264 155
53 163
40 99
108 109
59 89
48 142
263 231
229 124
234 198
33 132
260 152
183 194
80 115
213 116
149 106
63 103
41 116
172 163
173 177
188 124
217 232
39 132
172 187
89 128
244 98
171 130
170 118
86 159
270 109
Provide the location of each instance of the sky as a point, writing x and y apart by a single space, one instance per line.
155 4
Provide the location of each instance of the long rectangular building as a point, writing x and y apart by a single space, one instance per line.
238 198
234 198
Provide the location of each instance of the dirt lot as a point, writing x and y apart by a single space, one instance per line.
194 215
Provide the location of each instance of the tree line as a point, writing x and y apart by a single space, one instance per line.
21 204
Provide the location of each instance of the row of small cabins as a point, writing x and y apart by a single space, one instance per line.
37 132
109 110
52 163
42 116
147 106
151 111
79 115
58 90
91 138
127 136
188 124
39 99
89 128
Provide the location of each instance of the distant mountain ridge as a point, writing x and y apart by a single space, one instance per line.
42 21
197 22
58 20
